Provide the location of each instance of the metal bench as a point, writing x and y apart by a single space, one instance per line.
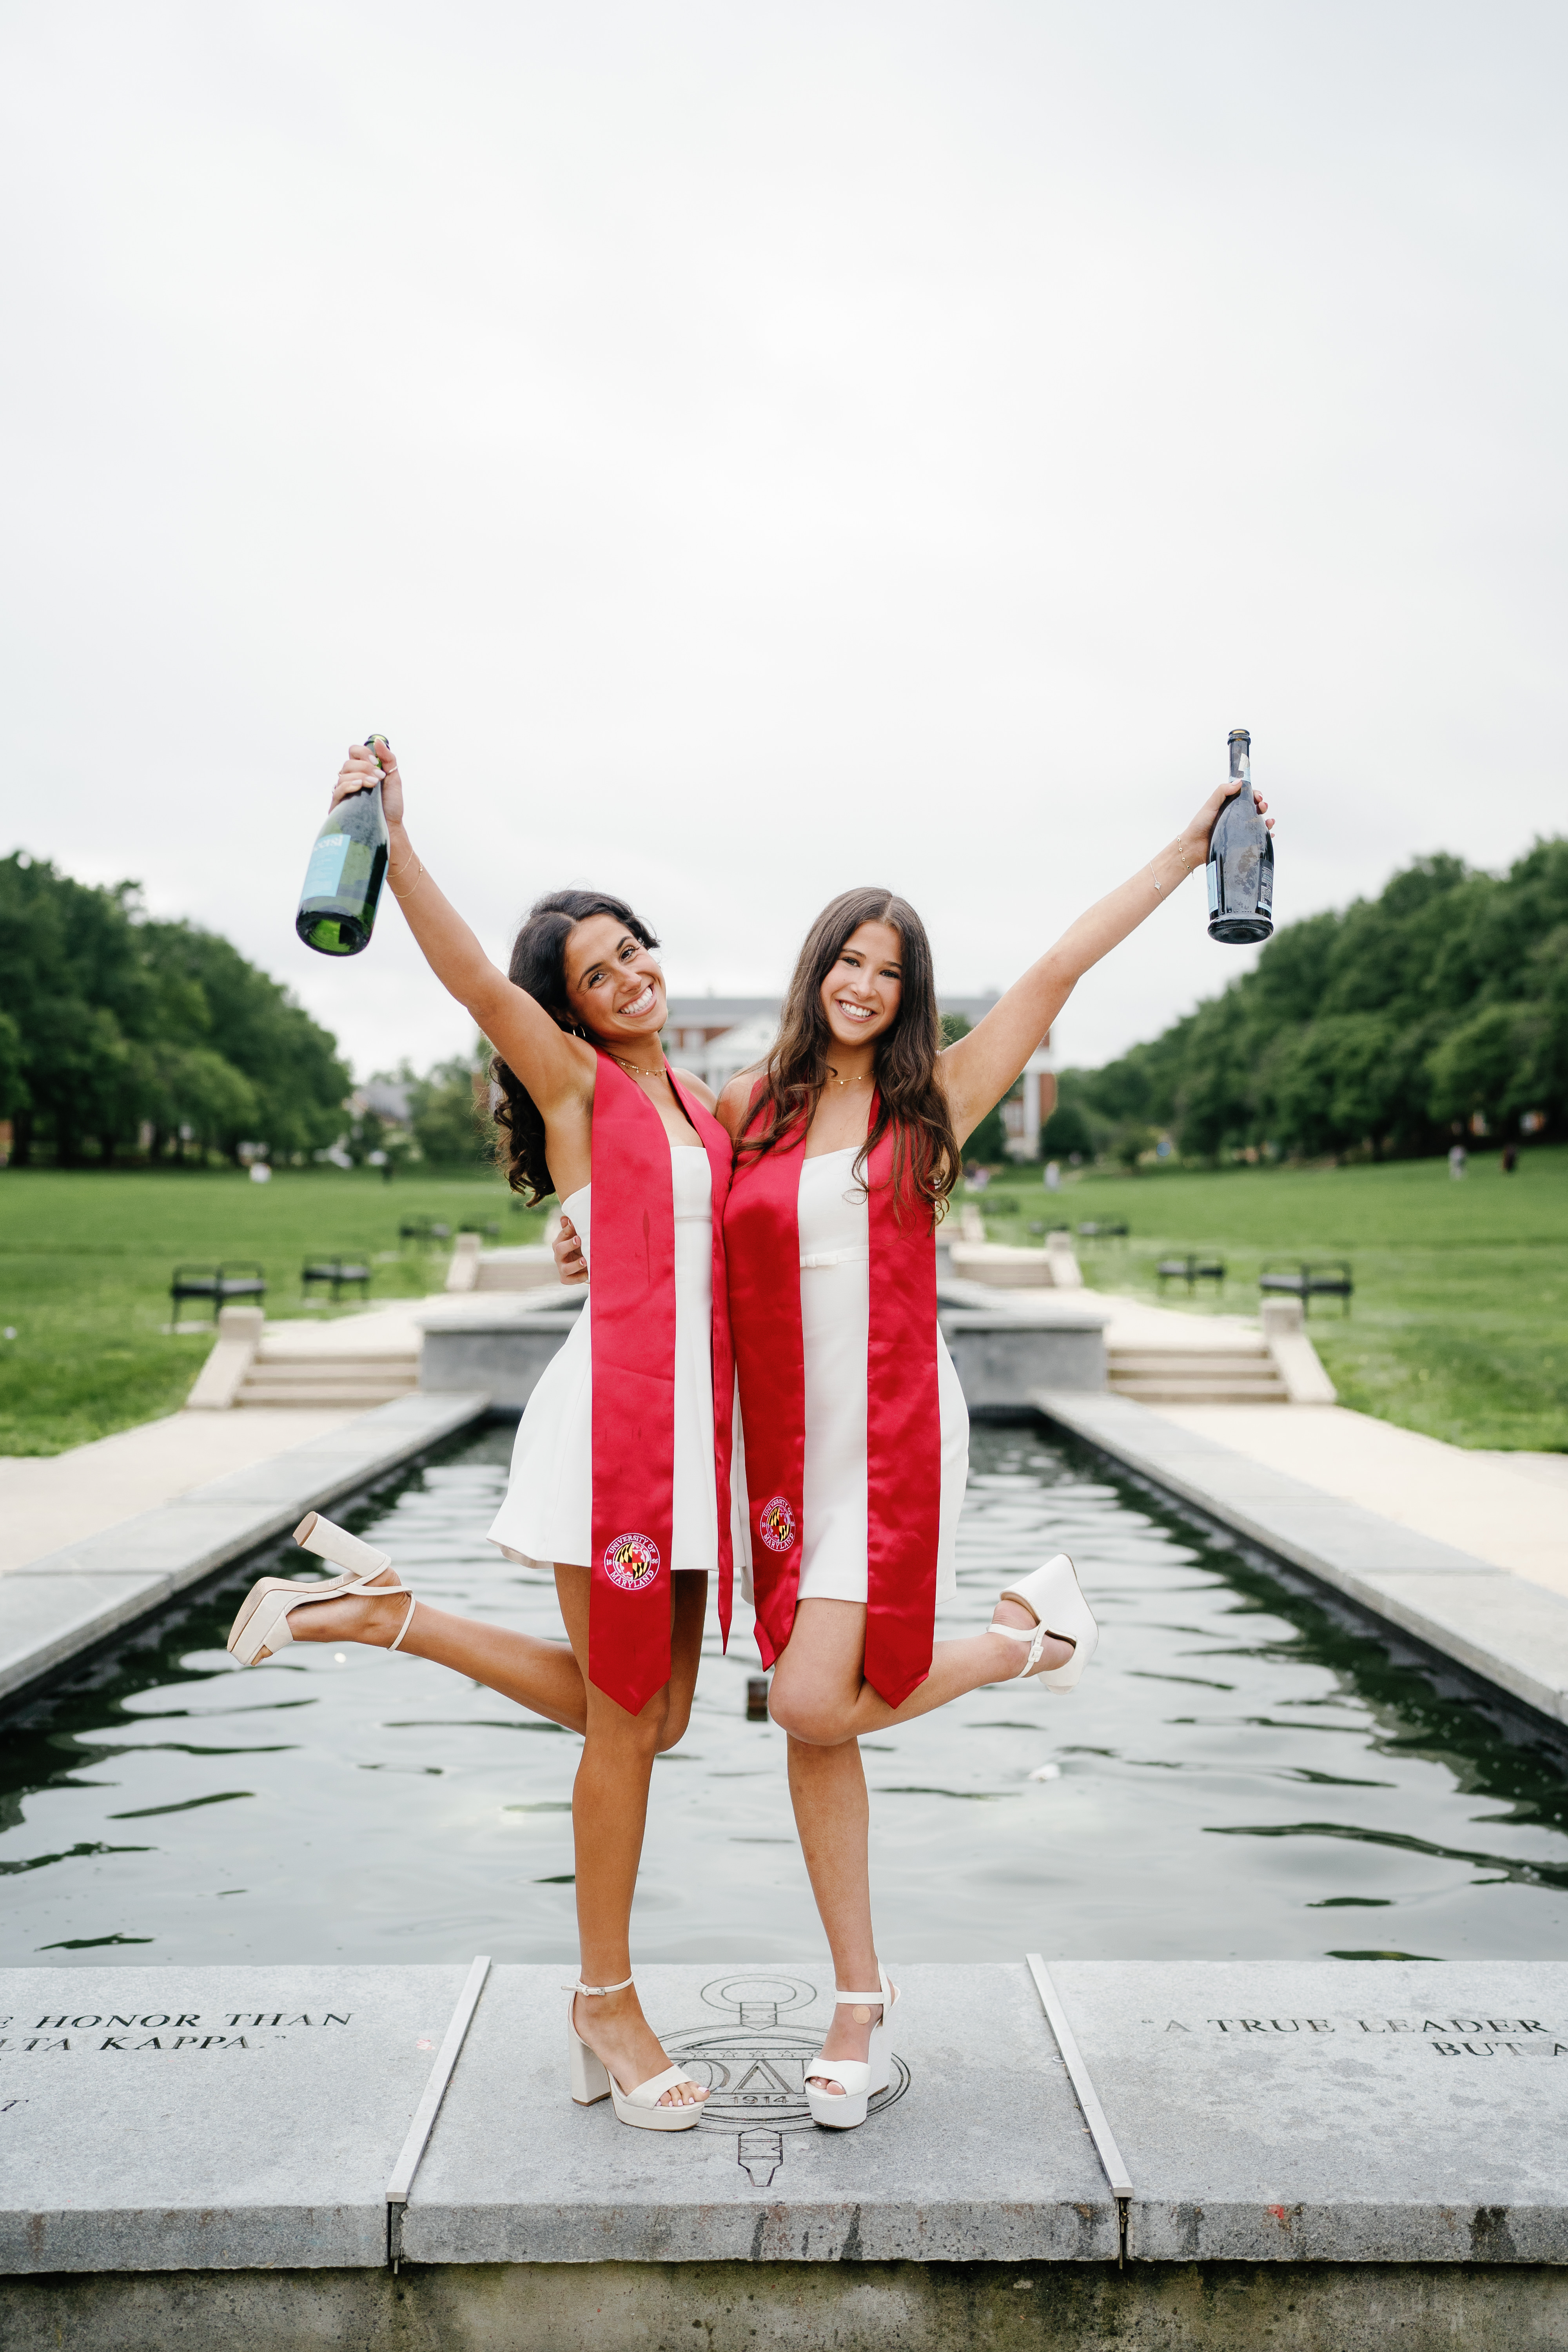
492 1232
1105 1233
1190 1270
420 1229
219 1283
1305 1279
337 1271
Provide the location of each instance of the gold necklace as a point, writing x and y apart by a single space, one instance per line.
632 1068
845 1082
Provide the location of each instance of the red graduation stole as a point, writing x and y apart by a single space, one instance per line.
631 1308
904 1423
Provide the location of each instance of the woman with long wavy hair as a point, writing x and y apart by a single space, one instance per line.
620 1472
856 1437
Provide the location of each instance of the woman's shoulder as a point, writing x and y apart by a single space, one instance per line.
693 1084
737 1095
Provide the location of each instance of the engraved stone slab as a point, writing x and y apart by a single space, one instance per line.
976 2152
208 2118
1351 2111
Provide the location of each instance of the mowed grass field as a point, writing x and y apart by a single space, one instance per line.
1459 1323
86 1260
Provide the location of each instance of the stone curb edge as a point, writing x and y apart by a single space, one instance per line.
53 1608
1439 1595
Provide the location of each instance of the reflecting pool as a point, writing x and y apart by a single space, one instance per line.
1244 1772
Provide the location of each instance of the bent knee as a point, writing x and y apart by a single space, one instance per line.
806 1719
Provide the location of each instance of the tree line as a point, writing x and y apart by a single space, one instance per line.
120 1034
1438 1008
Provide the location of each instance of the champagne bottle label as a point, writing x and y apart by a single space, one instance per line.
325 870
343 880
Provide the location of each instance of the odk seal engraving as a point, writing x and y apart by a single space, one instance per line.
632 1562
754 2066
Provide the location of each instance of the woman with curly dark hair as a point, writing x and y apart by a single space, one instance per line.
620 1475
856 1437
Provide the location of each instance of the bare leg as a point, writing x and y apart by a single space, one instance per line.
820 1693
821 1698
832 1814
609 1797
543 1676
609 1808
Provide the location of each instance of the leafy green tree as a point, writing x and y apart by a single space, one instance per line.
1477 1065
988 1143
1066 1131
450 1113
13 1085
292 1064
1370 1030
122 1024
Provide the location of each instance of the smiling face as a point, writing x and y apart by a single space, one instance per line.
614 984
865 987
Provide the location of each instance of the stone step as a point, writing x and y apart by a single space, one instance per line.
320 1359
1246 1361
357 1390
1167 1387
238 2122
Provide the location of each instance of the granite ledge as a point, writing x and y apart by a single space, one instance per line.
1498 1626
69 1601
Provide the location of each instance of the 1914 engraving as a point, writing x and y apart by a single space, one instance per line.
754 2066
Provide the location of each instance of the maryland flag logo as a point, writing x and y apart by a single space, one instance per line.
776 1524
632 1562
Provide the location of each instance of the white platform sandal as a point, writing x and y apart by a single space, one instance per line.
1061 1613
263 1620
862 2078
592 2079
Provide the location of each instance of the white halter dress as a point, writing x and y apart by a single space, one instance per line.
547 1517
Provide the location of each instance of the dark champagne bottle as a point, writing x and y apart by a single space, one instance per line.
1241 860
343 878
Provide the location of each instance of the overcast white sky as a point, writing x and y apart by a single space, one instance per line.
739 450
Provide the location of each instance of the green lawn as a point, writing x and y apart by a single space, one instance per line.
1460 1324
86 1257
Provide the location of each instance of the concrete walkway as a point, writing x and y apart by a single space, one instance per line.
1511 1515
49 1502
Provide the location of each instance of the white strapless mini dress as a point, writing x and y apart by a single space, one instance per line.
548 1514
836 1328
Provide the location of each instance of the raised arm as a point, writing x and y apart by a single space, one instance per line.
551 1065
978 1069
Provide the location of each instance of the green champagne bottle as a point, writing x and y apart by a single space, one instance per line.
343 878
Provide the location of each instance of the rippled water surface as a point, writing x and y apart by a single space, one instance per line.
1240 1774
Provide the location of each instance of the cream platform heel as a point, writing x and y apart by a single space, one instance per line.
1060 1612
592 2079
263 1620
861 2078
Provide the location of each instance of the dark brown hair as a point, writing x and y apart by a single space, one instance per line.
538 966
926 1160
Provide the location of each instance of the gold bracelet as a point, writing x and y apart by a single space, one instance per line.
401 896
1186 869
